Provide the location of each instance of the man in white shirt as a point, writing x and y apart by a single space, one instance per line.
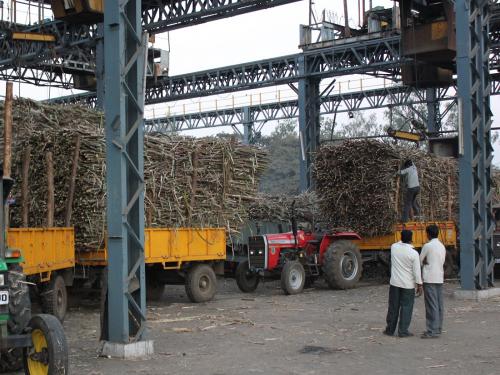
405 277
432 258
412 189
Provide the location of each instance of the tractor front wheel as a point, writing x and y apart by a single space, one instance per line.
247 281
49 353
201 283
342 265
293 277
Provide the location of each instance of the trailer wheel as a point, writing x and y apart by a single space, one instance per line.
201 283
342 265
19 317
49 353
247 281
293 277
55 298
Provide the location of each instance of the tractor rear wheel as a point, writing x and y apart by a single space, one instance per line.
293 277
49 353
11 359
201 283
55 298
247 281
342 265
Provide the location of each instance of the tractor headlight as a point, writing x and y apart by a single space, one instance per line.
261 252
252 252
2 279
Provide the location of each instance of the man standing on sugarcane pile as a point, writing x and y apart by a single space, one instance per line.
432 259
405 278
412 189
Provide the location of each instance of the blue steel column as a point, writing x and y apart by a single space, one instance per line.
309 126
476 220
248 134
124 107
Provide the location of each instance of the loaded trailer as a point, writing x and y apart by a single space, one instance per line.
190 256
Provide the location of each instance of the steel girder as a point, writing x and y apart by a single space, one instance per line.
369 56
336 103
476 218
164 15
124 59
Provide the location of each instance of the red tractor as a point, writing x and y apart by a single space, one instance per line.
299 258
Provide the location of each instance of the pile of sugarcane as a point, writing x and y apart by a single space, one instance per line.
358 186
205 182
269 207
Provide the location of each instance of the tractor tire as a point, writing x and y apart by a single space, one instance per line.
342 265
293 277
201 283
55 298
20 314
49 353
247 281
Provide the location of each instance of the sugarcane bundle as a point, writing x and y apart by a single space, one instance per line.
268 207
189 182
358 186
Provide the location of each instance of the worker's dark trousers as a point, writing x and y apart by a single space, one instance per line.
433 294
400 307
411 201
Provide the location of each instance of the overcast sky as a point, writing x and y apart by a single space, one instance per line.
253 36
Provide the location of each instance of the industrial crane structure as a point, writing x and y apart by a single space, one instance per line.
424 56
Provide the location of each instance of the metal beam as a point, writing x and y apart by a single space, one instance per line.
376 56
124 59
159 16
476 220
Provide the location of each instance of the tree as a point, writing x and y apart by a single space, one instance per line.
282 176
358 126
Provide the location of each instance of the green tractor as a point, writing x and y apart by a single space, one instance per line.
36 342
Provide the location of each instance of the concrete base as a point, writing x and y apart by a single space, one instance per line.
135 350
476 295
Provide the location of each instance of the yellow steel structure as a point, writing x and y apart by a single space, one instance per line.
447 235
35 37
172 247
44 249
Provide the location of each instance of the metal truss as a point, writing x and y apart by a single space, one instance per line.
370 56
385 97
80 40
164 15
476 219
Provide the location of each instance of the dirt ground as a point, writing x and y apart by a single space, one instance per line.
321 331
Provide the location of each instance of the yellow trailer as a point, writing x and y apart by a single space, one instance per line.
378 248
447 235
49 261
189 256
